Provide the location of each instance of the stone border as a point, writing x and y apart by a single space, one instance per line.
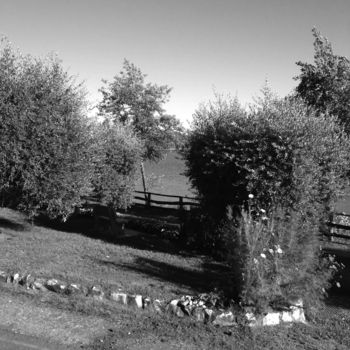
202 308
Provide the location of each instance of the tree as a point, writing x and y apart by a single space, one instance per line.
326 83
44 136
129 100
117 156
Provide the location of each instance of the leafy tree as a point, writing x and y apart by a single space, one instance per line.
326 83
44 136
117 155
129 100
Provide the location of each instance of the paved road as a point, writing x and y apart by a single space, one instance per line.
13 341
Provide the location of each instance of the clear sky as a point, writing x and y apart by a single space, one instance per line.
194 46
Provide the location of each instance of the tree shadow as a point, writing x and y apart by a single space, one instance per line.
84 225
203 280
338 299
12 225
149 242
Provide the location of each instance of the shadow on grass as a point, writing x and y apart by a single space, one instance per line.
338 299
6 223
204 280
84 225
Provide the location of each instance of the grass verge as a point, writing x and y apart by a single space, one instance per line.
139 264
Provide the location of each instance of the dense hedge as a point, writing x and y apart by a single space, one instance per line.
267 180
281 152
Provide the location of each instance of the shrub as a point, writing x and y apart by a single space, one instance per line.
284 155
281 152
44 137
277 258
117 158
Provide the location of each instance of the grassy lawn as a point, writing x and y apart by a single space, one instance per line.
138 264
141 264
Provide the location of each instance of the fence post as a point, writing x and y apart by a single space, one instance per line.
148 201
181 203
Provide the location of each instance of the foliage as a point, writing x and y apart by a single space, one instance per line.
44 137
117 157
129 100
284 155
207 156
281 152
275 258
326 83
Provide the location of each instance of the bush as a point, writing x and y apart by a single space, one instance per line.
276 259
117 158
44 137
283 155
281 152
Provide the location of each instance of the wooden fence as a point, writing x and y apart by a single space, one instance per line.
339 228
339 232
153 199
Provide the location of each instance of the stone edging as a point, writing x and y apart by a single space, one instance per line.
201 308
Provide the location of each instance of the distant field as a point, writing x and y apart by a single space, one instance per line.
167 176
343 205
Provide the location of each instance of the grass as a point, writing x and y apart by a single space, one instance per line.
142 264
167 176
329 332
139 264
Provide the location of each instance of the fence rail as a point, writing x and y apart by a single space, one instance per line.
182 202
339 232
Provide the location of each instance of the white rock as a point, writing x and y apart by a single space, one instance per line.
146 302
271 319
297 311
250 317
120 298
15 278
138 301
135 300
39 284
173 308
287 316
225 319
55 286
297 314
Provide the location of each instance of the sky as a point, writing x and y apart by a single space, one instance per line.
194 46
